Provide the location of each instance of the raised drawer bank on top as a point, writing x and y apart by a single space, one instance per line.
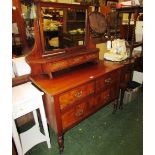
72 96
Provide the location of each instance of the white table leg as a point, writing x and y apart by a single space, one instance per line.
44 122
35 117
16 138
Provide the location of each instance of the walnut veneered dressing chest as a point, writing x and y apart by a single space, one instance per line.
75 83
76 94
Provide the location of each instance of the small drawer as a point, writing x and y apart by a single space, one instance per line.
73 115
76 94
91 56
25 107
51 67
107 80
76 60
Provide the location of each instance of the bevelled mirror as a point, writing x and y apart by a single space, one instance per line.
61 26
61 38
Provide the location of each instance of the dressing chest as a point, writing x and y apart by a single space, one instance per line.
76 94
75 83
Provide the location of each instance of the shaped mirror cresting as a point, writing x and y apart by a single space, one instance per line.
62 27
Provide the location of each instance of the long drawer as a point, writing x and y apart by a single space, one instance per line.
75 94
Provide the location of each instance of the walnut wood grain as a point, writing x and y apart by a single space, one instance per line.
80 84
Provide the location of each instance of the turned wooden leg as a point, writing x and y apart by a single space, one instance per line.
50 75
61 143
121 99
115 105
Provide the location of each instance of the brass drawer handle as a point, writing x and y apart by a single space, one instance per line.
78 94
79 113
108 80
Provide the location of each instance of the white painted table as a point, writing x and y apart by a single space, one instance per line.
26 98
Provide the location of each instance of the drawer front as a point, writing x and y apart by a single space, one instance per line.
50 67
73 115
76 94
91 56
107 80
100 99
109 94
76 60
103 98
62 64
25 107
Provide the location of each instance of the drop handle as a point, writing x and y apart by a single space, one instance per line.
78 94
79 113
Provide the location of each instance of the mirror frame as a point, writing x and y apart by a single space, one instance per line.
40 4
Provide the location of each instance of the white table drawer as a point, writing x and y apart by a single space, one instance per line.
26 107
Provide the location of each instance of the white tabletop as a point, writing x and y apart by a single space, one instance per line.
24 92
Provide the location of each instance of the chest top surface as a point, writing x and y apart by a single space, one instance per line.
73 77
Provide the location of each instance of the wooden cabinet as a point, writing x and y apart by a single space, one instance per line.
79 83
77 94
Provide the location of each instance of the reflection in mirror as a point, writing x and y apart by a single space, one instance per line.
27 8
63 27
16 40
22 27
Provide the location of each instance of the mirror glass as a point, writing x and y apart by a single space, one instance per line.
63 27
